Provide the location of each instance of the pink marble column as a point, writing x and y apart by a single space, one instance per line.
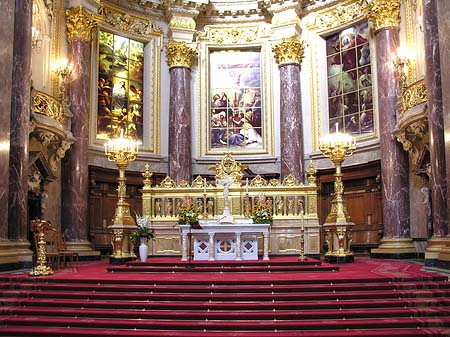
180 124
435 120
20 116
74 182
6 69
291 129
443 13
74 189
394 160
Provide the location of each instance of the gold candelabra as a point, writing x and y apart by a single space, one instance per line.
122 151
63 69
337 146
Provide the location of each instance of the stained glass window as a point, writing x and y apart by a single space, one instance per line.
350 103
235 100
120 87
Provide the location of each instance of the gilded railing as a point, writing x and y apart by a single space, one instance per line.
413 95
47 105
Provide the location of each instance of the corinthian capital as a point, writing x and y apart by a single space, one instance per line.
383 13
290 50
80 23
179 54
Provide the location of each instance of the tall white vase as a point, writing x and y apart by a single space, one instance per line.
143 249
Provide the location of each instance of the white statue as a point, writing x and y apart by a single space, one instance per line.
226 216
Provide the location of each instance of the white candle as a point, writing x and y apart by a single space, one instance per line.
204 185
303 220
246 185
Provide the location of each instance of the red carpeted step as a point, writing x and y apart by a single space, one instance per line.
227 315
227 297
229 288
227 325
306 305
77 332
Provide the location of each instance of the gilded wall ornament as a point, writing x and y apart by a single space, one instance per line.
80 23
181 22
128 23
179 54
234 34
383 13
290 50
338 16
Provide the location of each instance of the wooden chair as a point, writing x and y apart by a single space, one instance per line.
54 257
67 256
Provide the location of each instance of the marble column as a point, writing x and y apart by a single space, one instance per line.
6 71
396 241
443 29
179 59
289 54
20 116
74 181
436 128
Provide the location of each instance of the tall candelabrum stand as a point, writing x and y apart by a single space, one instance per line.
122 151
337 146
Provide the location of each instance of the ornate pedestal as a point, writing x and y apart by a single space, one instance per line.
339 239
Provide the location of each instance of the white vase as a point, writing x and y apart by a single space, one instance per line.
143 249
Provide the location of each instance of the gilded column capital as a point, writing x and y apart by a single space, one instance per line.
290 50
179 54
383 13
80 23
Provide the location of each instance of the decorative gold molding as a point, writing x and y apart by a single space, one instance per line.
127 22
48 106
339 15
234 34
413 95
290 50
383 13
179 54
80 23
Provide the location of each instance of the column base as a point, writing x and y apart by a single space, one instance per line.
15 255
435 247
84 250
115 261
339 259
396 248
443 260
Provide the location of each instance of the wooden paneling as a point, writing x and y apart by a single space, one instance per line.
103 199
362 194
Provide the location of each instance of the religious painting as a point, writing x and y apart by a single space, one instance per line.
120 87
235 107
349 77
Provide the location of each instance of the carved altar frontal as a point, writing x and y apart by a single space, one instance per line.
216 241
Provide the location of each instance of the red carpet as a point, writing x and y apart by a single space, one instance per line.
164 297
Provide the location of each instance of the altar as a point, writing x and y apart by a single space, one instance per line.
224 241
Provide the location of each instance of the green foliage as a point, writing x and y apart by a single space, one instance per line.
262 213
188 213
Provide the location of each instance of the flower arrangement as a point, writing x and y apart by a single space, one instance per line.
143 230
262 213
188 213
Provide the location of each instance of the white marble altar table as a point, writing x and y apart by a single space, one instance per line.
225 241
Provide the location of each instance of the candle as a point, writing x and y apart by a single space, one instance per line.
303 220
246 185
204 185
